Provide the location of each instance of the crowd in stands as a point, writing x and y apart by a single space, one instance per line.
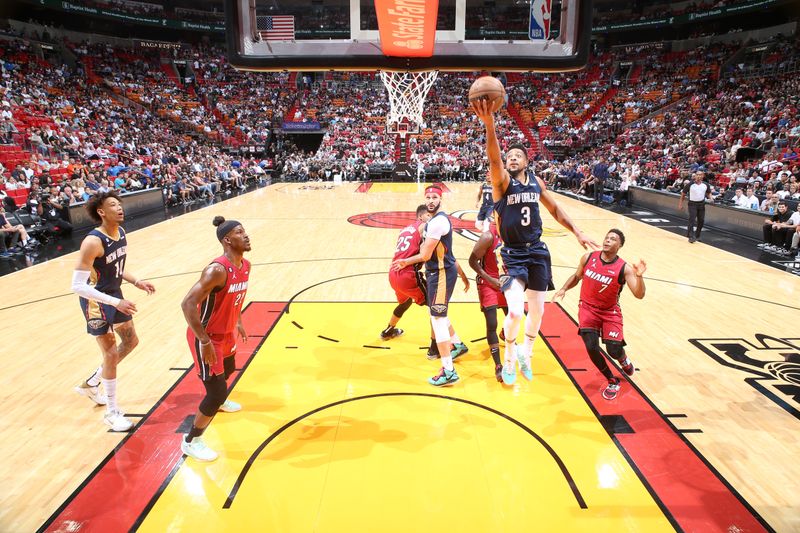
126 119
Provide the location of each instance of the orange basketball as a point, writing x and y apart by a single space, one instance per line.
489 88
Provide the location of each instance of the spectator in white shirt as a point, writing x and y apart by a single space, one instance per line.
752 199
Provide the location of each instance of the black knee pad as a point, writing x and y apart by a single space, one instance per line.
615 349
591 339
229 365
216 394
402 308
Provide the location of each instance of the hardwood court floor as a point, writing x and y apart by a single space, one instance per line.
714 339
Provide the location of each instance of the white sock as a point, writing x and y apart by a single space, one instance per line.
455 339
110 386
94 379
510 354
625 362
447 362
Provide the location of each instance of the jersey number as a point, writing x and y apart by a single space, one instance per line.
403 243
120 266
526 215
238 299
605 286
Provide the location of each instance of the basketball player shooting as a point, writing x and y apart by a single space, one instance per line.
517 193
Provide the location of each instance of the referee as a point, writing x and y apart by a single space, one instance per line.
698 191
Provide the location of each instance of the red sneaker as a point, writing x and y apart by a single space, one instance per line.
611 390
628 369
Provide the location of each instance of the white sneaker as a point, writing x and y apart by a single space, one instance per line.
230 407
117 421
198 449
93 393
763 245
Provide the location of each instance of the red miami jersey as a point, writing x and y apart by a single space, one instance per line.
490 261
408 243
602 282
220 312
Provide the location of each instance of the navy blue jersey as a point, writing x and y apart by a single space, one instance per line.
106 274
442 256
486 195
518 213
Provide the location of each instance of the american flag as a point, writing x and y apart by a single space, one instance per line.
276 27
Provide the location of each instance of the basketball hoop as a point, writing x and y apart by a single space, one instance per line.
407 92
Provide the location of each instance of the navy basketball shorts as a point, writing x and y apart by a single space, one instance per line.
484 212
440 288
100 317
530 264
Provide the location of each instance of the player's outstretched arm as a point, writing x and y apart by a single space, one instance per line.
479 251
425 253
91 249
212 277
562 218
573 280
634 278
498 173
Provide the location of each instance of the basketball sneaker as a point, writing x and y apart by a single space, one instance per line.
443 378
628 367
458 350
611 390
391 333
432 356
498 373
509 373
524 364
117 421
230 407
198 450
93 393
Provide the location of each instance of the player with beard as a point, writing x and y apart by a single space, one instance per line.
213 310
604 274
441 270
517 193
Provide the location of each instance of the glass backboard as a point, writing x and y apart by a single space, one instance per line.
495 35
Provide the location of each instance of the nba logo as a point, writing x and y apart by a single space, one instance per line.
540 20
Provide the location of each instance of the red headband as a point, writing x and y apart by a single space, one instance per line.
434 188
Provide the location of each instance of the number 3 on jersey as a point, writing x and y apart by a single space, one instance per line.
526 215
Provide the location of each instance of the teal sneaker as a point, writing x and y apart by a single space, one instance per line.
509 374
458 350
524 366
443 378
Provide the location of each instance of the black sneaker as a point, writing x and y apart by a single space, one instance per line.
391 333
498 373
432 356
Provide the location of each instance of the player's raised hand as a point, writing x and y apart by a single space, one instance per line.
586 241
146 286
127 307
640 268
483 108
559 295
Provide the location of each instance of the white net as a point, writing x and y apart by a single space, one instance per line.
407 92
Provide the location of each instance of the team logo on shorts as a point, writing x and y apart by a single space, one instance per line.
96 323
439 308
771 364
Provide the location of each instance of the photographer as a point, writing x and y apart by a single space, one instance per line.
54 214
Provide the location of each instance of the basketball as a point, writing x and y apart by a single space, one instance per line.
489 88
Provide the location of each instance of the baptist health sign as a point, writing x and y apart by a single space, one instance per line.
539 28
